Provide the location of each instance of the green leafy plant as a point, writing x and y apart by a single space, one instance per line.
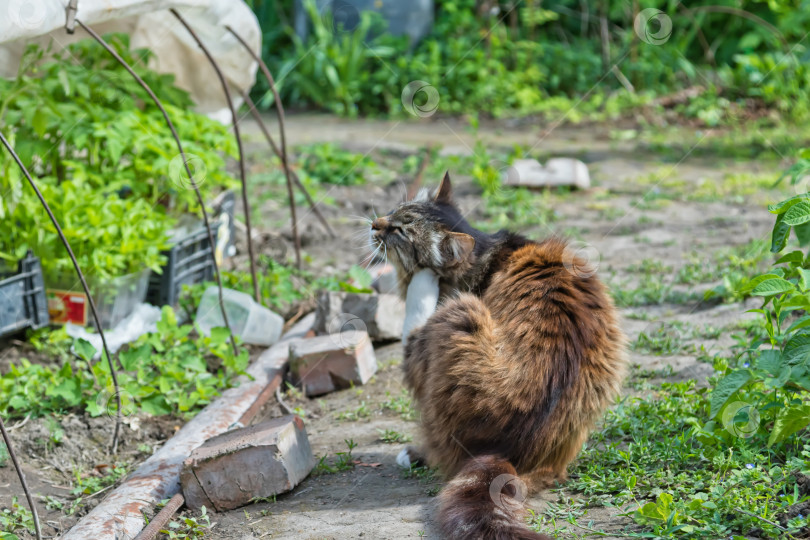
328 163
188 526
166 372
103 158
16 519
775 379
343 461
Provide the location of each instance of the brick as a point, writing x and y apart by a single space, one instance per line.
327 363
231 469
381 315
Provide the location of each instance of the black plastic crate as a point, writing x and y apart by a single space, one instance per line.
23 303
188 262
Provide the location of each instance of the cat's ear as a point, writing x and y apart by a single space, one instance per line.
445 192
458 246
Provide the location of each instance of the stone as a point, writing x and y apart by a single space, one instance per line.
324 364
557 172
232 469
381 315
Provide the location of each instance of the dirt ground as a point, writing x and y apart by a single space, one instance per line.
375 499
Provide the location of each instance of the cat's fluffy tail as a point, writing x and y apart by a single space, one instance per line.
484 501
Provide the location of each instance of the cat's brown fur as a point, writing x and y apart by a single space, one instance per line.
511 371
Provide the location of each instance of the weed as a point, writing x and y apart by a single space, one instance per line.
361 411
18 518
401 405
390 436
189 527
686 478
343 461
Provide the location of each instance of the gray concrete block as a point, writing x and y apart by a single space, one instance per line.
381 315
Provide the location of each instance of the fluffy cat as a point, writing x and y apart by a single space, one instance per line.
512 351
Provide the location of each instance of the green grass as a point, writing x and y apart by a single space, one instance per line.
390 436
658 464
343 461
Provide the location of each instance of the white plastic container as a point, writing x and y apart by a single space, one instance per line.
252 322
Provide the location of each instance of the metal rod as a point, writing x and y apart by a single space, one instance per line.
290 194
312 204
236 133
13 456
161 518
185 164
282 137
90 301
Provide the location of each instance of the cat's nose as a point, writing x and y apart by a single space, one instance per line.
379 224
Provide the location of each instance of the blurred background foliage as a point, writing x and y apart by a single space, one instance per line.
733 58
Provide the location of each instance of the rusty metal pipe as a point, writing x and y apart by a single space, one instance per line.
159 521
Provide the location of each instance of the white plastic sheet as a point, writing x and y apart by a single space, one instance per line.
151 26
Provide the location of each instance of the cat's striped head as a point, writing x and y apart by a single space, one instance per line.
426 232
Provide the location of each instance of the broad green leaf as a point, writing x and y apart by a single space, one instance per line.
726 388
788 422
784 206
797 348
155 405
773 286
798 324
770 361
752 283
69 391
804 279
794 256
84 349
219 335
802 233
780 233
798 213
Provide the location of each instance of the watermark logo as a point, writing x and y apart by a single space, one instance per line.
653 26
802 185
507 491
508 175
27 14
342 17
420 98
179 175
341 328
581 259
741 419
107 403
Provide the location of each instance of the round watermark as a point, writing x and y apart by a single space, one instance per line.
342 17
420 98
653 26
27 14
741 419
802 185
341 325
581 259
179 175
107 402
507 174
507 491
